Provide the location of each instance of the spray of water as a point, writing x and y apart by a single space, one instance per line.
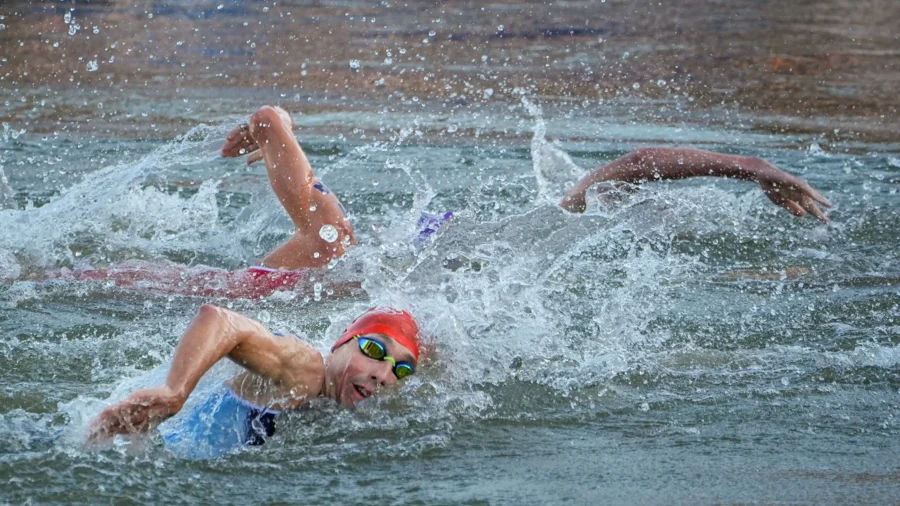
536 305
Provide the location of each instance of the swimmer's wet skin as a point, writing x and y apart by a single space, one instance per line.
322 230
385 350
661 164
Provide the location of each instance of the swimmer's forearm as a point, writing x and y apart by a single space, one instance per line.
290 172
660 164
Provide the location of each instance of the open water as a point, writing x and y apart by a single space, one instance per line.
688 343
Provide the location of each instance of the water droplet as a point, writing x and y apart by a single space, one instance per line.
96 30
221 6
388 60
329 233
402 51
354 64
67 17
375 182
92 66
499 28
488 93
432 33
316 254
636 86
73 29
661 83
317 292
312 208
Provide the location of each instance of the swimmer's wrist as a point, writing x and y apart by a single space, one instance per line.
751 168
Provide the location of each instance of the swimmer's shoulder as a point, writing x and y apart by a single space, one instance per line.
304 368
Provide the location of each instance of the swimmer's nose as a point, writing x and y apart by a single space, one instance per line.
384 375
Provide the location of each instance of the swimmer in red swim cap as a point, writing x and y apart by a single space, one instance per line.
386 339
378 349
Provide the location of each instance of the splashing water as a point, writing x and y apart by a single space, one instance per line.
673 307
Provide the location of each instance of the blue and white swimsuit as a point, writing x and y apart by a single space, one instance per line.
218 425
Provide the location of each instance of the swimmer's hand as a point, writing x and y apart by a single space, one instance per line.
241 141
789 192
574 201
139 413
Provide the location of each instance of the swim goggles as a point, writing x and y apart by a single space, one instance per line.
375 349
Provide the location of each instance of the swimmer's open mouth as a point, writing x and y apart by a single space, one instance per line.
362 391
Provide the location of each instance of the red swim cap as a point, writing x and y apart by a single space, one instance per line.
398 325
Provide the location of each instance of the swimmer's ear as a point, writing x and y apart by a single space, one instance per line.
255 157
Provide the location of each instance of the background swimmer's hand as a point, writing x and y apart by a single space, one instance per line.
140 412
241 141
789 192
574 201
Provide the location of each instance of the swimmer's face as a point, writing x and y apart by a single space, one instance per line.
356 376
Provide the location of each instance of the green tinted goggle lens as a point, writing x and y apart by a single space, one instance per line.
372 349
375 349
403 370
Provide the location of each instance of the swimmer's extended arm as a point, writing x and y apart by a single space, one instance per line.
659 164
215 333
269 136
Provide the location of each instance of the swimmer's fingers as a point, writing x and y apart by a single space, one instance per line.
797 197
239 142
119 419
255 157
142 411
794 208
814 195
777 196
808 204
574 202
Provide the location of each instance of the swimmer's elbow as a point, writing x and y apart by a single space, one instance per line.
210 312
215 319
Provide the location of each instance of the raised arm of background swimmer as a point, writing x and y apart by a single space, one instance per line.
294 368
657 164
269 136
